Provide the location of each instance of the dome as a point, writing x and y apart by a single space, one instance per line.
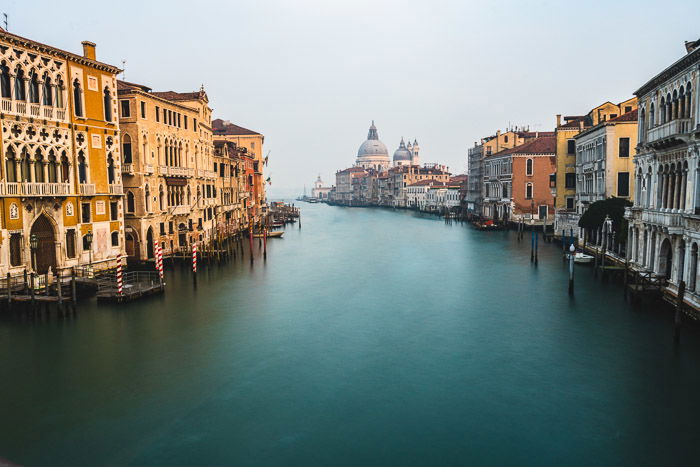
402 154
372 147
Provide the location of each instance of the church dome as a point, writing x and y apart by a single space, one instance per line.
372 147
402 154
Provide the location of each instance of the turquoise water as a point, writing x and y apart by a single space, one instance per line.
369 336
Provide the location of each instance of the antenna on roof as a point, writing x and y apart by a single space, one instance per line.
123 69
4 21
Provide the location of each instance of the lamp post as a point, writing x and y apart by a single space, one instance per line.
34 245
88 239
572 253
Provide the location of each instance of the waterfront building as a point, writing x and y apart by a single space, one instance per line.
475 188
251 142
61 183
416 193
407 155
566 216
402 176
344 189
169 182
373 153
604 161
233 188
664 223
319 191
517 182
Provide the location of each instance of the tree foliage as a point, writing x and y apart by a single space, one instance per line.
594 216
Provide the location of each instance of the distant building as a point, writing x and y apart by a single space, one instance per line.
319 191
373 153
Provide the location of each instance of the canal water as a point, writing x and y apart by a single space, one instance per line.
369 337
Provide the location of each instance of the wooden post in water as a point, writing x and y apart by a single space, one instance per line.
250 238
74 291
532 246
536 246
59 292
627 265
677 317
31 290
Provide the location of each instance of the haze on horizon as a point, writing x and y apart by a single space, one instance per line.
312 74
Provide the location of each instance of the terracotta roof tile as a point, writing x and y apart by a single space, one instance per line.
177 96
223 127
628 117
543 145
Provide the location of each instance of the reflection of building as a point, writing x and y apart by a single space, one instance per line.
664 227
60 144
167 169
319 191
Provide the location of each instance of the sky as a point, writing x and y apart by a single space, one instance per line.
311 75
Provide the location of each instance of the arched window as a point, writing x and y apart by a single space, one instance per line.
38 166
161 199
528 191
11 165
674 106
652 116
65 168
528 167
111 178
669 108
663 111
689 100
642 125
86 243
82 168
77 99
107 100
59 94
126 149
147 200
20 93
5 89
33 88
681 103
47 91
130 202
52 167
25 166
115 238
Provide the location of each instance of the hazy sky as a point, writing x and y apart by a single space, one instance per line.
311 74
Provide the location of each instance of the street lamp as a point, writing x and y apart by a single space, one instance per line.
34 245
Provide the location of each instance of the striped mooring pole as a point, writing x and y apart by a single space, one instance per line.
120 281
194 264
159 259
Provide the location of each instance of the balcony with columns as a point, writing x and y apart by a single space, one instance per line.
128 168
669 130
116 189
170 171
33 110
208 174
181 210
34 189
87 189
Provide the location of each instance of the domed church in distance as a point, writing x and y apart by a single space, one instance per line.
374 155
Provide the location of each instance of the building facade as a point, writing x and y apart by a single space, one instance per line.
61 186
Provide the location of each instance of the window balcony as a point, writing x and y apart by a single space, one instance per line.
206 174
176 171
116 189
24 109
87 189
35 189
669 130
148 169
669 220
182 210
128 169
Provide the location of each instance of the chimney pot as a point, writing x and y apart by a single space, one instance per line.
89 50
558 119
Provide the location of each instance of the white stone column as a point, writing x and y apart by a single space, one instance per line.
684 183
677 188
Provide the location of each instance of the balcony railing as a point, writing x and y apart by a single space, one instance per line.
672 128
128 169
35 189
180 210
115 189
25 109
666 219
87 189
148 169
206 173
176 171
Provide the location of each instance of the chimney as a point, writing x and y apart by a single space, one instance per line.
89 50
580 125
558 119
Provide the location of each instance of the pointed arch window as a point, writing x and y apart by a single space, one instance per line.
52 167
652 116
111 178
33 88
20 92
59 94
107 100
38 166
78 99
130 202
161 199
126 149
25 166
82 168
5 89
11 165
47 91
147 199
65 168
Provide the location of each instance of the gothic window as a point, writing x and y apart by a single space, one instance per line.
663 111
33 88
20 93
126 149
110 170
652 116
130 202
25 166
47 91
528 167
38 167
11 165
161 199
5 90
82 168
65 168
59 94
107 99
78 99
148 199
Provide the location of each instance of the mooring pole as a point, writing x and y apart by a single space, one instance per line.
74 290
194 265
572 254
31 290
532 245
537 241
677 317
250 238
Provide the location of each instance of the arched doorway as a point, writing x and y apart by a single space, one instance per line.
666 258
45 255
131 243
149 243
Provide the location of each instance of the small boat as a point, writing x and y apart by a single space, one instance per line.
582 258
270 234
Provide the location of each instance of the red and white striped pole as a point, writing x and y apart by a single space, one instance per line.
159 259
120 282
194 264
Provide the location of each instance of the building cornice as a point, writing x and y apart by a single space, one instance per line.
685 62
